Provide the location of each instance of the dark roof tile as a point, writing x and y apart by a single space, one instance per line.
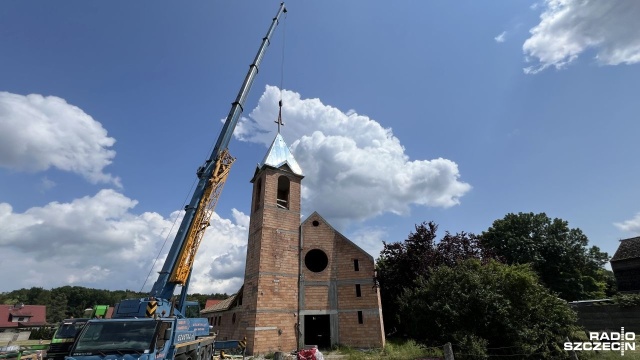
223 305
628 249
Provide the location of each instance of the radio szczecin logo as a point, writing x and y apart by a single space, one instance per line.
605 341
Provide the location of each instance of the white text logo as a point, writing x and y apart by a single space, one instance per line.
605 341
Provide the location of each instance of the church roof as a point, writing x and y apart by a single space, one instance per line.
279 155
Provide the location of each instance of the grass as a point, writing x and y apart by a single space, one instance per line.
394 350
609 355
409 350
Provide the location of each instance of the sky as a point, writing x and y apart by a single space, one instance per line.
398 113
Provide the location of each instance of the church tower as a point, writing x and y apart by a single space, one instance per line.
305 284
270 291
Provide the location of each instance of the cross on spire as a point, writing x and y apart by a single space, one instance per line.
279 121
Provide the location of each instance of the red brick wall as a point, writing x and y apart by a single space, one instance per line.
317 297
368 334
270 310
271 273
227 329
340 275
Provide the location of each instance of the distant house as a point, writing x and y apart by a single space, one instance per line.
22 316
218 312
626 265
211 302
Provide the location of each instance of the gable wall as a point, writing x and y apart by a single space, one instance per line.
333 290
627 274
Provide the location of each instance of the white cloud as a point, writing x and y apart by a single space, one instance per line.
568 28
97 241
354 168
501 38
37 133
631 225
370 239
46 184
219 265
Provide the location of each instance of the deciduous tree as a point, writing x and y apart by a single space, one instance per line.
401 263
487 309
558 254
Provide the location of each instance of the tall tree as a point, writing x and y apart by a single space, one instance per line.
401 263
558 254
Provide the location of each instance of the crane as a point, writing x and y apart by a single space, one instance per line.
158 326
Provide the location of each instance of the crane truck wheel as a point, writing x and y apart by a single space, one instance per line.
206 353
203 353
209 354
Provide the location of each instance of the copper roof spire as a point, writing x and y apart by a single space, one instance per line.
279 153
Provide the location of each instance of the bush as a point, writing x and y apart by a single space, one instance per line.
491 309
627 300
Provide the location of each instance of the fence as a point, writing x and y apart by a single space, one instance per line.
595 317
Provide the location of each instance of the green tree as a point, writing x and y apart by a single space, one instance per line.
557 253
42 333
202 298
488 309
57 309
401 263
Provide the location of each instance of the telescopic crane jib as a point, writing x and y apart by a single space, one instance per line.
155 327
212 176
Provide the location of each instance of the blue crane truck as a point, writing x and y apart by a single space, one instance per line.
164 326
68 330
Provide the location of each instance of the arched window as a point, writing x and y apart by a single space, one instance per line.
283 192
258 195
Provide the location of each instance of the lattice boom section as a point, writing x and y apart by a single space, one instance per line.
202 216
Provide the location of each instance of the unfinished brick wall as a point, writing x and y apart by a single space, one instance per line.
334 289
228 325
271 273
344 289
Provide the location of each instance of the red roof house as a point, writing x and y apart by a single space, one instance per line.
20 316
211 302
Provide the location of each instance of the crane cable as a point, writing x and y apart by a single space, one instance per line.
175 221
284 38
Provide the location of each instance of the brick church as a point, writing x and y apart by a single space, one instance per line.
305 283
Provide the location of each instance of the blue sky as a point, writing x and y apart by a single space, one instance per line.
398 113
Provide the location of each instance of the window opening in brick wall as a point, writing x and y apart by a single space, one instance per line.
233 318
315 223
258 196
356 265
316 260
283 192
358 292
360 319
